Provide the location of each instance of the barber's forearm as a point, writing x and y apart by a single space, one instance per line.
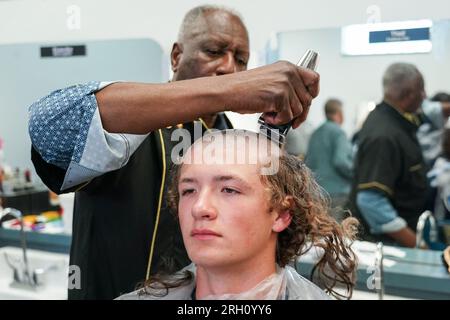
141 108
281 91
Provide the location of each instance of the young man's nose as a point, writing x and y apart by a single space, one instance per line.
204 207
227 64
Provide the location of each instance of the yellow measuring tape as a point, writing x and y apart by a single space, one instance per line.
161 192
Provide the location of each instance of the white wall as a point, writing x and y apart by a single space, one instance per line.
46 20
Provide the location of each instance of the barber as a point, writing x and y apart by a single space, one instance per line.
111 144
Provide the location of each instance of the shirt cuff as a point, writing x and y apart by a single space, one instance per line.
378 212
100 152
393 226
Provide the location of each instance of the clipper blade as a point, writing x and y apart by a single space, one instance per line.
277 133
274 133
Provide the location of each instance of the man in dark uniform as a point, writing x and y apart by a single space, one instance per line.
390 186
111 143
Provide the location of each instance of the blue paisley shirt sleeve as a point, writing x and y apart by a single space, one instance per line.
66 130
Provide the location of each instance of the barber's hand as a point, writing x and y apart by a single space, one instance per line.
282 91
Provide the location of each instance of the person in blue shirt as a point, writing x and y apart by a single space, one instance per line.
330 157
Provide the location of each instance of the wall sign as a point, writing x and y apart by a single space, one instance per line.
63 51
415 34
387 38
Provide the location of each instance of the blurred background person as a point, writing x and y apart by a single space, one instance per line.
390 187
329 156
440 180
435 113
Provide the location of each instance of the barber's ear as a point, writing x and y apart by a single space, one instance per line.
284 215
175 55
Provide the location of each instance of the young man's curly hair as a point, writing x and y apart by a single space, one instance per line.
311 226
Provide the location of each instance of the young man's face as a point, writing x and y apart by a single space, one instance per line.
217 45
225 217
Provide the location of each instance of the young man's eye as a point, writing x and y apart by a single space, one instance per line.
230 191
187 192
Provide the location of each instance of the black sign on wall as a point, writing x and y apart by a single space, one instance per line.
63 51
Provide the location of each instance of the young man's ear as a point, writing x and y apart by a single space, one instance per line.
284 215
175 56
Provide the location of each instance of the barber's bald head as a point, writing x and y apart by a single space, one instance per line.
212 41
403 86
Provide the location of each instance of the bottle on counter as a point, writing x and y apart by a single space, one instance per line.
27 179
17 180
27 175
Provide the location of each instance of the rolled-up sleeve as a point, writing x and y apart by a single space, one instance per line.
378 212
66 130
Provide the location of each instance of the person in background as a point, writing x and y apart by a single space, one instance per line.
112 144
440 179
435 113
330 157
442 97
242 227
390 187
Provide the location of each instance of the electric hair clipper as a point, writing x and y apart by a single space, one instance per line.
278 132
